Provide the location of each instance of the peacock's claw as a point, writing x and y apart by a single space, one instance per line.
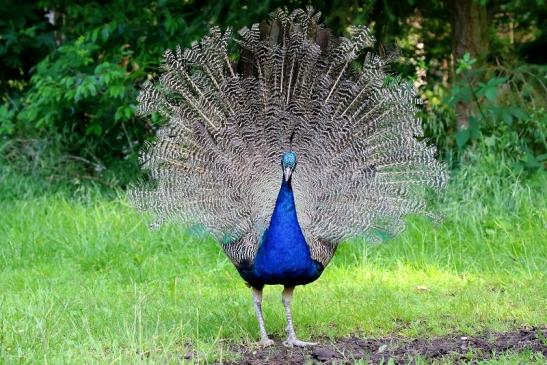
291 342
265 342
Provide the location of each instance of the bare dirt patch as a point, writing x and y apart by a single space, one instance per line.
458 348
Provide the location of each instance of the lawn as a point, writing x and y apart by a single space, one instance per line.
83 279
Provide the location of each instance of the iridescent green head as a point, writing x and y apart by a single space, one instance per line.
288 164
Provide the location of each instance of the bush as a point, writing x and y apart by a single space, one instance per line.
82 94
509 114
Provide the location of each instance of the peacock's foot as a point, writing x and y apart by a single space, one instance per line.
265 342
290 342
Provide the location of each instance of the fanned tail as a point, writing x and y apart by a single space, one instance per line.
362 162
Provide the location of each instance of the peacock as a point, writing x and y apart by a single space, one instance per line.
281 142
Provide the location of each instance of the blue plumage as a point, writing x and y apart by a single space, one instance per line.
283 256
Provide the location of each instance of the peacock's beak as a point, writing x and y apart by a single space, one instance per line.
287 173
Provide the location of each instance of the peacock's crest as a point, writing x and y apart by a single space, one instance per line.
362 161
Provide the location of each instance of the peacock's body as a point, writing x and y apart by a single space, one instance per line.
296 91
283 256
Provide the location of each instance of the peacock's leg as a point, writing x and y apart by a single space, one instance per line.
257 299
291 340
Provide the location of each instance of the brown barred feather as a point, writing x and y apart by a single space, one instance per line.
362 163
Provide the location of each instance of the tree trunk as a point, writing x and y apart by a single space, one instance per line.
469 21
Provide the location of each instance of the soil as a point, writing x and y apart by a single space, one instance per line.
456 348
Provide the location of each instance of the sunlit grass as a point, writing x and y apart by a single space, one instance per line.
83 280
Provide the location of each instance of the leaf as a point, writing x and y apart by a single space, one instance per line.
518 112
119 114
490 89
116 90
474 129
124 113
491 93
531 160
94 35
465 63
506 116
6 120
462 137
496 81
105 33
129 111
94 129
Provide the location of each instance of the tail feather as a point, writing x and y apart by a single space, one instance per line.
362 164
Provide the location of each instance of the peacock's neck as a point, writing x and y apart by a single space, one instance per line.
285 209
284 232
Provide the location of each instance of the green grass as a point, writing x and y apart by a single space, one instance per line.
83 280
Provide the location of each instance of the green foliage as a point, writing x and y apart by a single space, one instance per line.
465 63
7 116
509 112
87 99
84 90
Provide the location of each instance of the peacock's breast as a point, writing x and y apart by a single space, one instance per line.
283 256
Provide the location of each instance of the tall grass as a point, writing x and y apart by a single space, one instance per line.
83 280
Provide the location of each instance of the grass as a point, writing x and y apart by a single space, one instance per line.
83 280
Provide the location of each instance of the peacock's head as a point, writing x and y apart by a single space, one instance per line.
288 164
